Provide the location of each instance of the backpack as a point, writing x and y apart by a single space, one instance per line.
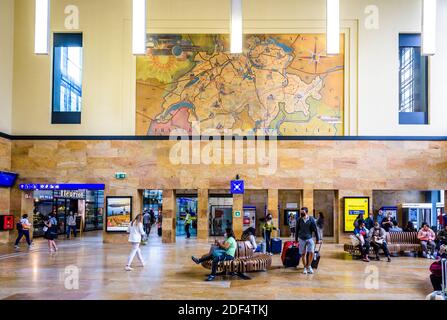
19 226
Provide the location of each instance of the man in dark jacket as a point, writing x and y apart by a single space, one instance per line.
305 226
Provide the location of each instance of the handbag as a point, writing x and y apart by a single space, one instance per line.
355 241
45 229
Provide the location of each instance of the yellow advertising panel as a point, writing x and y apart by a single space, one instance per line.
353 207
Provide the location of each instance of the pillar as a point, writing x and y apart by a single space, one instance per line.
308 200
238 222
203 214
168 225
273 206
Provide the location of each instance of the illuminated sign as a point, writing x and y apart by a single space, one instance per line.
353 207
46 186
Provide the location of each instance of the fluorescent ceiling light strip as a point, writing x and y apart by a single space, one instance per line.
42 27
333 26
429 27
139 27
236 26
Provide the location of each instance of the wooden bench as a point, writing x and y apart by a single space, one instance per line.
398 242
244 261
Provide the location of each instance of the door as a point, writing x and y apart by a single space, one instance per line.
221 217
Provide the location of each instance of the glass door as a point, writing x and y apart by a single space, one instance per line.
61 209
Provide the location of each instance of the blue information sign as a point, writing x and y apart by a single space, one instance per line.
237 187
52 186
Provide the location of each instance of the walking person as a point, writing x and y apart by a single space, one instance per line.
305 227
23 226
146 222
320 225
268 228
188 224
51 231
378 241
292 225
136 232
71 224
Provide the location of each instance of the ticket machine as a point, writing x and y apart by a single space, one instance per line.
249 217
419 213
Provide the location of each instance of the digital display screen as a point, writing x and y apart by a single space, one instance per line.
7 179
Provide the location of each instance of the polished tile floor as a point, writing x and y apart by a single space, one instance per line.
170 274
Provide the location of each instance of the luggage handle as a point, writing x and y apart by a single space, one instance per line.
319 248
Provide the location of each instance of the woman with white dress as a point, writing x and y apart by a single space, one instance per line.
136 232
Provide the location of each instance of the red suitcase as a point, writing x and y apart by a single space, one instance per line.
287 245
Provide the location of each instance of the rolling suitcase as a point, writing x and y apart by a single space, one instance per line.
316 260
290 254
276 245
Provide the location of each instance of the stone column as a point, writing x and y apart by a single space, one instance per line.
272 206
202 214
238 222
308 200
168 225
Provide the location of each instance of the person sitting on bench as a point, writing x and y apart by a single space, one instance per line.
222 251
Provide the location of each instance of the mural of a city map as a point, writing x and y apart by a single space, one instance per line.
282 83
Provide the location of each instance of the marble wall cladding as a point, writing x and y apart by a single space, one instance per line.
369 165
5 164
353 167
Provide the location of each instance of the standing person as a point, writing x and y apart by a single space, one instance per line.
380 217
427 237
268 228
292 225
188 224
159 223
51 231
388 222
362 234
23 226
136 232
146 222
225 251
378 241
320 225
305 227
152 220
71 224
369 222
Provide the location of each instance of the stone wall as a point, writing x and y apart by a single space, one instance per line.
5 164
350 167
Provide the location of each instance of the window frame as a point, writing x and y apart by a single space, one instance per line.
68 40
414 40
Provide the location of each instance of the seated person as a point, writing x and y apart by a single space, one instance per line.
224 251
249 235
436 270
395 227
378 241
441 239
369 222
362 234
427 237
410 227
388 222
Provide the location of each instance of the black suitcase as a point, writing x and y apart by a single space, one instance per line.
159 232
292 257
316 260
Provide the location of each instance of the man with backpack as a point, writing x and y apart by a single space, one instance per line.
305 226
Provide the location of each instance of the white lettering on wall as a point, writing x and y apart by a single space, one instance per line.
72 18
372 19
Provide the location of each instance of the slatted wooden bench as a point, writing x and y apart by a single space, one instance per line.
398 242
244 261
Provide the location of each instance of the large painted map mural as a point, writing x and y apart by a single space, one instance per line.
282 82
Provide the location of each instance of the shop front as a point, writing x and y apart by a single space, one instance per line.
86 201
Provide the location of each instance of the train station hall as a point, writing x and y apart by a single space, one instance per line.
223 150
